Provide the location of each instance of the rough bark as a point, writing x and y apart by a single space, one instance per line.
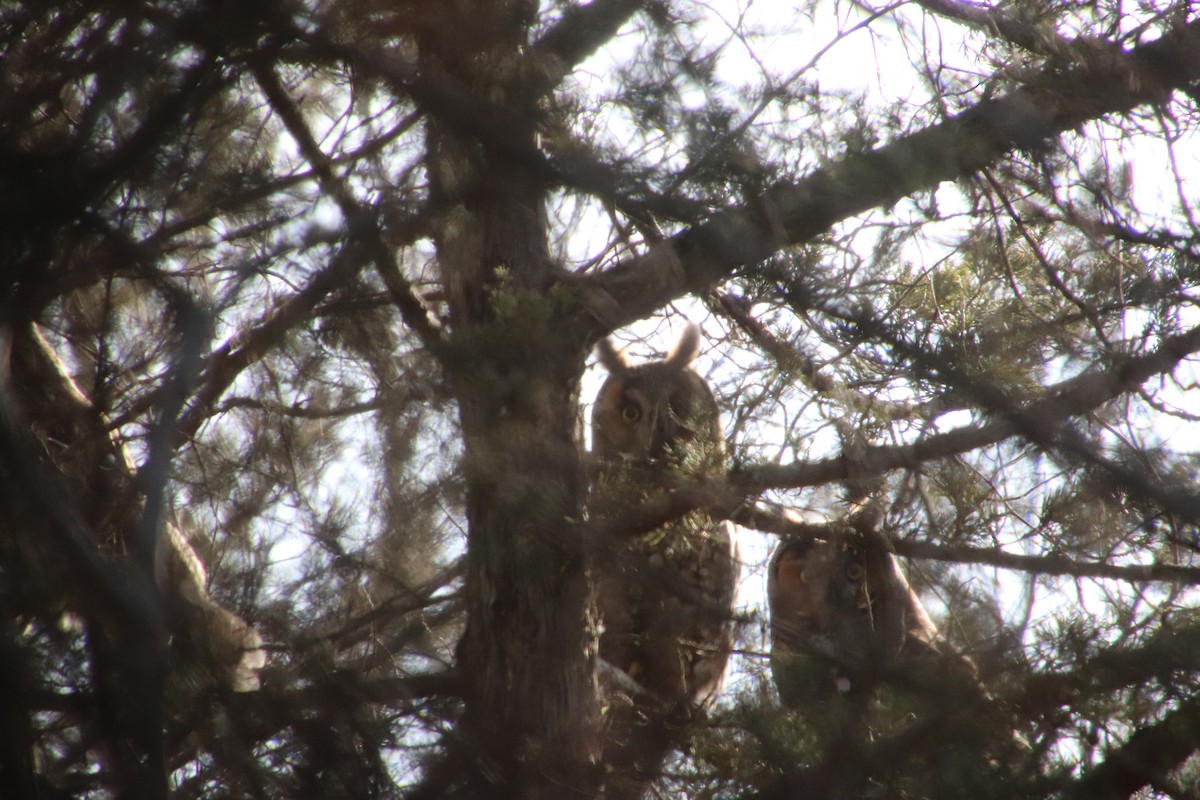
531 722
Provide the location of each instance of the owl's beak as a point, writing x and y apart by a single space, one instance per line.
668 430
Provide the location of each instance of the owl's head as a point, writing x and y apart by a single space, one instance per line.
821 604
815 584
854 597
660 413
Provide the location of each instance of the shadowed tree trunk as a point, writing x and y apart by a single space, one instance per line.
528 653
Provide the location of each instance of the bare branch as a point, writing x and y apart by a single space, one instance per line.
360 219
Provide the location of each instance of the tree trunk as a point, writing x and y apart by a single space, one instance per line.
530 645
531 723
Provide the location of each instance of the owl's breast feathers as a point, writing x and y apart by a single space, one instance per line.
667 609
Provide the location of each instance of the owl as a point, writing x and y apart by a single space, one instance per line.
857 658
665 598
844 619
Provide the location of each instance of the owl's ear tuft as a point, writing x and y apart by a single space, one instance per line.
686 349
613 359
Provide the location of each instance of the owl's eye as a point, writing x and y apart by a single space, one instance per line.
631 412
855 571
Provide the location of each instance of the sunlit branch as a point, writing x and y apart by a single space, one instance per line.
1039 39
1029 118
98 581
579 33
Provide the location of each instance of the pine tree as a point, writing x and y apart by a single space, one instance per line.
298 303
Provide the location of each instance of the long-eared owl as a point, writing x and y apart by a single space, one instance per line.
665 598
844 617
856 657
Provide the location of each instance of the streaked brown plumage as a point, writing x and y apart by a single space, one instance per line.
665 598
856 656
835 617
844 617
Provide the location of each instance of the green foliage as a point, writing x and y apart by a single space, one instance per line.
347 210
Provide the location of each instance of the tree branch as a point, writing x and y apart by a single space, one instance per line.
1051 103
1145 758
1040 39
1047 565
579 33
360 219
793 362
1075 396
1058 403
784 525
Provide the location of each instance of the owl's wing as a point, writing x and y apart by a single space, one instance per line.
719 575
